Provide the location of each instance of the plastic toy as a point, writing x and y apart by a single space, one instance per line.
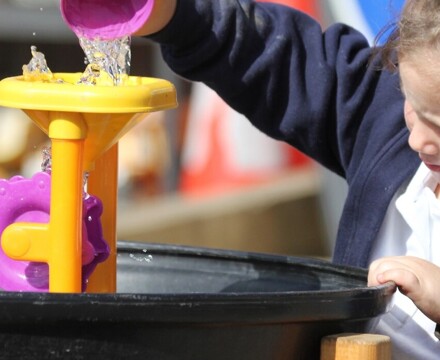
90 19
84 124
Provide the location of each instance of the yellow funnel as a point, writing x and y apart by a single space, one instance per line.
108 112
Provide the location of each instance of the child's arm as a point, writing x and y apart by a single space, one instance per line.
416 278
162 13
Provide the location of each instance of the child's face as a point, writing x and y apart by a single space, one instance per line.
421 89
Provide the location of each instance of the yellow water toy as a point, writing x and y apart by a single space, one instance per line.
84 124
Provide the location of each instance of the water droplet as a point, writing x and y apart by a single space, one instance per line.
147 258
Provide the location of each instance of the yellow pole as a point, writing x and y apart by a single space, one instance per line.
65 263
103 183
68 132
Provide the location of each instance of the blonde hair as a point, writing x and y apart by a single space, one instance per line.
418 28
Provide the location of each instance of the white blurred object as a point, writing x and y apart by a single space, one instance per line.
14 132
144 155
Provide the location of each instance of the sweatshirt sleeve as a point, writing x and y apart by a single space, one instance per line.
315 90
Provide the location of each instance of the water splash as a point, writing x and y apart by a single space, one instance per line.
46 165
108 61
37 69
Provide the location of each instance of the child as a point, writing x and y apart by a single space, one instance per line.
328 95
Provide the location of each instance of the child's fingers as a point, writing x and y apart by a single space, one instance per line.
377 267
405 279
396 269
416 278
393 267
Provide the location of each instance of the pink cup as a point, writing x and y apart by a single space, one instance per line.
105 19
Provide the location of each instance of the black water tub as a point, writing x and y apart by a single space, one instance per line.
191 303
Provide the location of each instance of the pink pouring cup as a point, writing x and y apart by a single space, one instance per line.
105 19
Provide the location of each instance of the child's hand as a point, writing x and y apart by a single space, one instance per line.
416 278
161 15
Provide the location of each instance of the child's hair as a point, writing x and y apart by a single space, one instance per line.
417 28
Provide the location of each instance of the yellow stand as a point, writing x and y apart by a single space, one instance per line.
84 124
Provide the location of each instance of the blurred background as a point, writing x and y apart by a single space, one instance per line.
199 175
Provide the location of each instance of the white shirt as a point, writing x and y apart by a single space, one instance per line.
411 227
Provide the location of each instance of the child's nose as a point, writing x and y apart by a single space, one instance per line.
423 141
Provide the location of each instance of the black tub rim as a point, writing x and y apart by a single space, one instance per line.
201 308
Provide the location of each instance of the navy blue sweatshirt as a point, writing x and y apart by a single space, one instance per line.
321 92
